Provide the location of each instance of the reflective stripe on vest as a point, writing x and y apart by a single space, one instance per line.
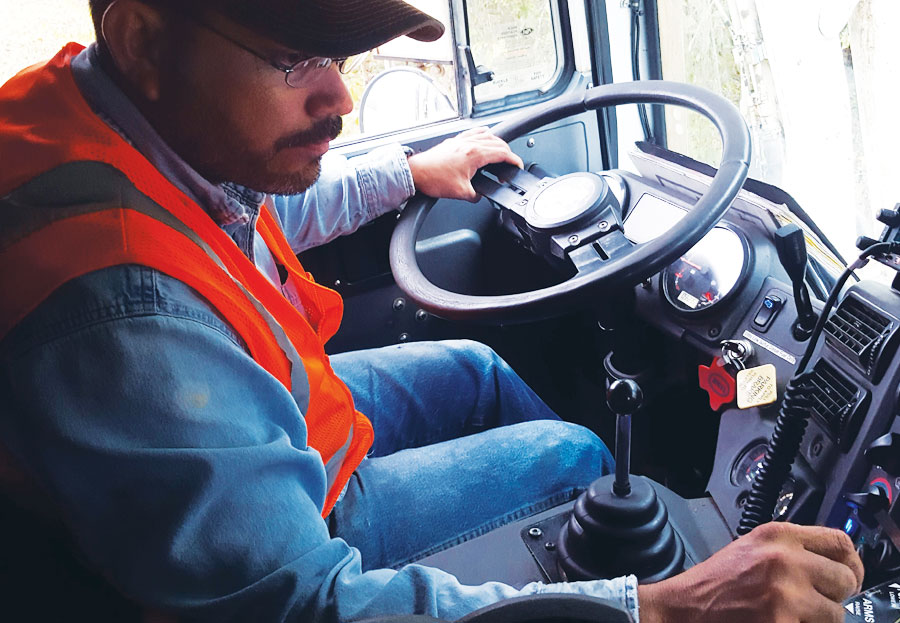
57 224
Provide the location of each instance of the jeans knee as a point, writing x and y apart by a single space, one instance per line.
577 450
477 357
475 351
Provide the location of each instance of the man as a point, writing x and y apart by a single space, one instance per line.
166 395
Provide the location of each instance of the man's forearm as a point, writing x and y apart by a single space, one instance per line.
348 194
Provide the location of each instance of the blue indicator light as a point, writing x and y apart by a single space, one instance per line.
768 303
850 526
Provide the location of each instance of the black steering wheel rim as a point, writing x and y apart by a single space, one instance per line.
643 260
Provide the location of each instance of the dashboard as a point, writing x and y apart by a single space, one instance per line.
732 286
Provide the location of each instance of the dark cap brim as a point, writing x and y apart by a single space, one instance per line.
333 28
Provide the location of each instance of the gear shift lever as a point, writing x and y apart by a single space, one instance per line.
619 525
623 399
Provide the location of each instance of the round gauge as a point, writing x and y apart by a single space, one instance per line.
747 468
707 273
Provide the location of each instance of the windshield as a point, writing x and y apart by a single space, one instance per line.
816 82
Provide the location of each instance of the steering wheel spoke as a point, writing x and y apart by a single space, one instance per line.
514 176
593 256
613 245
506 186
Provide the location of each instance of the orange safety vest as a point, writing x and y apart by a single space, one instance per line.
45 123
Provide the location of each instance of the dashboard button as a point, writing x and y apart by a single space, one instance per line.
770 307
851 526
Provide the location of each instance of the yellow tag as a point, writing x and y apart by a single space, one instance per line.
756 386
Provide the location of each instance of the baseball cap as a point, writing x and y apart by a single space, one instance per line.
331 28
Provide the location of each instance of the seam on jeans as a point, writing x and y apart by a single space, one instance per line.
90 316
523 511
154 286
75 320
631 600
366 183
403 161
189 317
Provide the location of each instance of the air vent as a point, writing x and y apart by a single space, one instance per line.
838 402
863 334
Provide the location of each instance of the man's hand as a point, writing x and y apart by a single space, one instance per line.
780 572
446 169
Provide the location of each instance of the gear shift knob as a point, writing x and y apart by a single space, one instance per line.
624 397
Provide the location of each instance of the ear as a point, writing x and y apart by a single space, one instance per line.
134 33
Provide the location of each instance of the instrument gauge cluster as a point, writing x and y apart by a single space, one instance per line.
708 273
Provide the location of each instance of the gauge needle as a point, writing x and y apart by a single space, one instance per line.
691 264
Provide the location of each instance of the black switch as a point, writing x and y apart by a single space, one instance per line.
770 307
885 453
872 501
891 218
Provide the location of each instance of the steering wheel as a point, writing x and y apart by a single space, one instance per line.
589 235
540 608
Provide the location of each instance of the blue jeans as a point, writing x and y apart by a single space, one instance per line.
462 446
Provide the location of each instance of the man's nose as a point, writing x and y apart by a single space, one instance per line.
329 96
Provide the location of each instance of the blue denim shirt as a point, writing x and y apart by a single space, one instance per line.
180 465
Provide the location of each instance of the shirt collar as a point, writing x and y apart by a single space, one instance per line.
227 204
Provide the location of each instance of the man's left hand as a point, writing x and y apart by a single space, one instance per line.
446 169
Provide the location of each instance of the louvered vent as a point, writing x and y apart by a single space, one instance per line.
837 401
862 334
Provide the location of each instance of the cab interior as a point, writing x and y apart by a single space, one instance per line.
665 329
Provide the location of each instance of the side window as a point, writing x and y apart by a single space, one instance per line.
511 50
34 31
516 41
402 84
405 83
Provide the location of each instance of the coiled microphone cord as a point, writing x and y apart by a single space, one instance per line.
783 447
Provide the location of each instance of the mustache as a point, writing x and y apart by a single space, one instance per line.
326 130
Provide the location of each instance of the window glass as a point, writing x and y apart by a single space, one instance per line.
816 82
515 39
405 83
35 30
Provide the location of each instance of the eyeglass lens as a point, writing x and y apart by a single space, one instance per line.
310 70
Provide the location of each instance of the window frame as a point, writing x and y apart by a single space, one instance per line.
563 76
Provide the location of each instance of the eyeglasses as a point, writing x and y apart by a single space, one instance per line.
299 74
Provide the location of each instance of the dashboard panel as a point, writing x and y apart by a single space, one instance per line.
855 378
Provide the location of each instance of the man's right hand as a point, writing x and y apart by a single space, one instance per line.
779 572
